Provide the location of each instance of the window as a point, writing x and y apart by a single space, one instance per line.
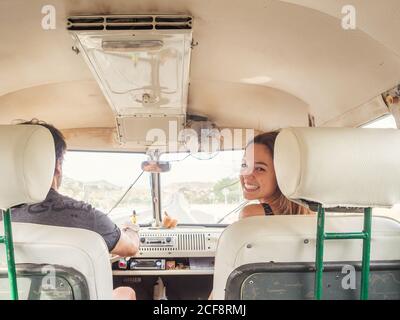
386 121
202 189
33 284
199 189
101 178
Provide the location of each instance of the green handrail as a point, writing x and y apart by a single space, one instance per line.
319 259
365 235
7 239
366 254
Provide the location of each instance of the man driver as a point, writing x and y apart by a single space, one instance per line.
62 211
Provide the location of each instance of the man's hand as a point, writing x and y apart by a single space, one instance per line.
131 227
128 244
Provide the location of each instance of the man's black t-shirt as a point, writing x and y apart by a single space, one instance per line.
62 211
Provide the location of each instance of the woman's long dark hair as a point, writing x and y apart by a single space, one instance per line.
267 139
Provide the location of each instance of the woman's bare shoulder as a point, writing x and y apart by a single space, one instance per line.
252 210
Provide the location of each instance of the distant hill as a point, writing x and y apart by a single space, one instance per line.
103 194
192 185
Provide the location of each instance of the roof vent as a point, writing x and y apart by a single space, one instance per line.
129 22
144 74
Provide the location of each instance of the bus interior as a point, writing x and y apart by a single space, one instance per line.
157 101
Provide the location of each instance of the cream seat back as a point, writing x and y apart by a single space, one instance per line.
57 251
27 162
335 167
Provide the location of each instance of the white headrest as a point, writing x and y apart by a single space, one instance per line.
27 162
349 167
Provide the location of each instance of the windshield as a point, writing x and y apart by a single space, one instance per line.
199 189
101 179
202 188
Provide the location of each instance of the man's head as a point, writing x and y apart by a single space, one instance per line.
60 148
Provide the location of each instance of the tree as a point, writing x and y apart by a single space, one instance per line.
231 187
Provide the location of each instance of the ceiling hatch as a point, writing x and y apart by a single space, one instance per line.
141 63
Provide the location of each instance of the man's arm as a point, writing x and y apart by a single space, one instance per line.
122 241
128 243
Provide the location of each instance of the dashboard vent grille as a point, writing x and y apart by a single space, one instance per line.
129 22
191 242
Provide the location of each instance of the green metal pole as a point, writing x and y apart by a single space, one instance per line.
8 239
345 236
366 254
319 259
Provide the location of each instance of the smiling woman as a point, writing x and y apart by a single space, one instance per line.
259 182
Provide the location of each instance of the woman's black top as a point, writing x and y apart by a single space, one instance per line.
267 209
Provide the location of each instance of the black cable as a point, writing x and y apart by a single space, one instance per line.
179 160
240 206
227 186
209 158
123 196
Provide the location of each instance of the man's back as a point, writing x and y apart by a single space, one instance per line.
62 211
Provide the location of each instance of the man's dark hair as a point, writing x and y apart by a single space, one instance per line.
59 140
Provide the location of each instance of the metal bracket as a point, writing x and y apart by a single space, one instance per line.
365 235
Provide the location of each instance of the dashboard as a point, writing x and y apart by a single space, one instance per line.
178 251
